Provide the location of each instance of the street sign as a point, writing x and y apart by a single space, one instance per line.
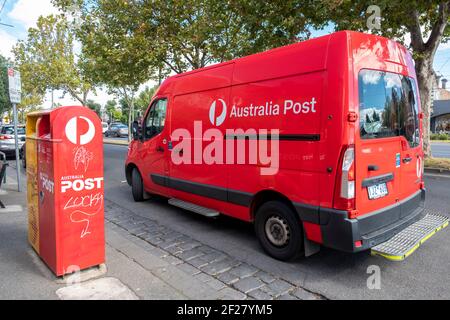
15 88
15 91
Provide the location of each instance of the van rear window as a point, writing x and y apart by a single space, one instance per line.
388 106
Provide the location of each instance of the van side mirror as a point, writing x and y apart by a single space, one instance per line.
135 129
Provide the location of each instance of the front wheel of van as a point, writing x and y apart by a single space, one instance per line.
137 186
279 231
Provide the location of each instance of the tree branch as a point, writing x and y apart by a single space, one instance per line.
438 29
187 56
74 94
171 66
416 33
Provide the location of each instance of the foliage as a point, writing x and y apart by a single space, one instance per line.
422 25
47 60
4 93
96 107
163 36
437 163
143 99
440 136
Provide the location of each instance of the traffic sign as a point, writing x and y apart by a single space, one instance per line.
15 88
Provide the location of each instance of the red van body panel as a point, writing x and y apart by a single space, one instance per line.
321 78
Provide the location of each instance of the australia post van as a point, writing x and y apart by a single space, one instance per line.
318 143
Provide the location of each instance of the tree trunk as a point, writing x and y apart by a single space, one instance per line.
130 117
424 72
424 62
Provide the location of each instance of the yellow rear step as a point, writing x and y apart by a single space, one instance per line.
403 244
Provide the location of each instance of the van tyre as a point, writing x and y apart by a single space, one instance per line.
279 231
137 186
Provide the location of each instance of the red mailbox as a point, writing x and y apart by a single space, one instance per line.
70 187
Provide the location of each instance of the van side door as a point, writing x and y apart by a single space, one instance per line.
154 151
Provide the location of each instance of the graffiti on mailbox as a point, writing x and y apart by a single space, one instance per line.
81 158
85 206
93 202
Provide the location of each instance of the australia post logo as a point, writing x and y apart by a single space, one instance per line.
217 112
80 130
218 109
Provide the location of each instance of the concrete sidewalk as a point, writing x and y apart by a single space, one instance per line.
135 269
115 141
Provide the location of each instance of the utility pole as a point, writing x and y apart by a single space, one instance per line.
15 91
16 141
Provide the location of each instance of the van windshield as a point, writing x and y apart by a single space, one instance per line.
388 106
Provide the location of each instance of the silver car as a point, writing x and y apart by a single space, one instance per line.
117 130
7 141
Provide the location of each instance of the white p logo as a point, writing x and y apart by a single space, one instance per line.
72 131
212 113
419 167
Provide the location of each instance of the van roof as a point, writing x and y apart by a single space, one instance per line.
345 35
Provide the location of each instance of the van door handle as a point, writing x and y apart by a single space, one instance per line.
407 160
372 167
159 149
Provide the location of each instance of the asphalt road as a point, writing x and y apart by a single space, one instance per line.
336 275
440 149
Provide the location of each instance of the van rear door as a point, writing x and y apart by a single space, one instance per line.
388 147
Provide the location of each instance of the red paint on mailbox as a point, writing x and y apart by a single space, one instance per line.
70 188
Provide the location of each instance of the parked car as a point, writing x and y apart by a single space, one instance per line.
7 138
23 155
117 130
104 127
339 175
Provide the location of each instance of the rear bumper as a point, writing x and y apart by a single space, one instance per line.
339 232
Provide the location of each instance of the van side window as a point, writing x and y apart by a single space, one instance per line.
156 117
388 106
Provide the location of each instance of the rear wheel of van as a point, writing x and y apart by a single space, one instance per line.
279 231
137 186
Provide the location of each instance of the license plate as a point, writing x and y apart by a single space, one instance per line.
377 191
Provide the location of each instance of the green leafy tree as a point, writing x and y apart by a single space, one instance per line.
110 107
5 104
132 41
96 107
47 59
142 101
30 99
425 23
116 51
180 35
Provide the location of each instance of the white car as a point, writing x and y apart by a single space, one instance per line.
104 127
7 138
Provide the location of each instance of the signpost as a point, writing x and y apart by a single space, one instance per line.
15 91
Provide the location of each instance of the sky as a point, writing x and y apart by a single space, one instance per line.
23 14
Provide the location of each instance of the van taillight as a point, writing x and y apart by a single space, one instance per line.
345 187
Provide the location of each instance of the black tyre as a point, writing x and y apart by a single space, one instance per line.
279 231
106 134
137 186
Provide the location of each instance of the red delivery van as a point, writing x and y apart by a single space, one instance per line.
316 143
